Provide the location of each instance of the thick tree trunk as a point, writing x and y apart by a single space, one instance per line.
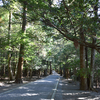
83 80
21 53
19 71
67 73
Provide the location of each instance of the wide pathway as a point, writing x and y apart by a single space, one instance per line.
43 89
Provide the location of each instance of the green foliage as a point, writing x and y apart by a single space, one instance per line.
41 40
83 72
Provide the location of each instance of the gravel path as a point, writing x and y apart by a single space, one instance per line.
48 88
38 90
69 90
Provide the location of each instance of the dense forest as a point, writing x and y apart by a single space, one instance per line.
38 36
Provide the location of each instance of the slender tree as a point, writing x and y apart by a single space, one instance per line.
9 54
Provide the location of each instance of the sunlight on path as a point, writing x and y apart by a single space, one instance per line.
42 89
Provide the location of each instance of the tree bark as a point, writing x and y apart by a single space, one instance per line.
67 73
60 70
39 73
64 70
21 53
9 54
45 72
83 80
47 67
9 67
50 68
88 75
92 65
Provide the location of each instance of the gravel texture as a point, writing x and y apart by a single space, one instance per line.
44 88
38 90
69 90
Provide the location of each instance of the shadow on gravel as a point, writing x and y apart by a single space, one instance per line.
70 91
38 90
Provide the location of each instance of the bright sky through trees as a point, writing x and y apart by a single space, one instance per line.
1 3
56 1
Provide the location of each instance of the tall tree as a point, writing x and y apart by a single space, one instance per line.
21 52
83 79
67 19
95 10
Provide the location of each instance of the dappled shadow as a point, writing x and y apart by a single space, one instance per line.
38 90
70 91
